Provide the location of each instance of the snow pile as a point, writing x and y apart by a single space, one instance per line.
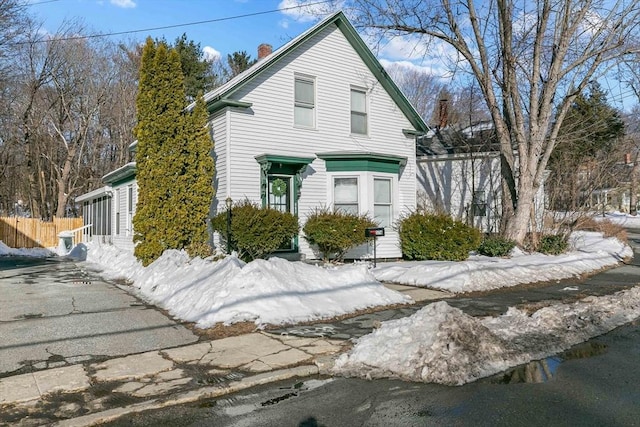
273 291
590 252
621 218
441 344
277 291
30 252
113 263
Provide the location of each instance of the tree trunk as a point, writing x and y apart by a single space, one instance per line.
633 199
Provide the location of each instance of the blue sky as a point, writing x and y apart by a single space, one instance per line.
225 36
273 21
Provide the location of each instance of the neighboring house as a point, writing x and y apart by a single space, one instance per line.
458 173
315 123
110 209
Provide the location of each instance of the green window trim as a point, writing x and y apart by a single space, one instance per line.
363 162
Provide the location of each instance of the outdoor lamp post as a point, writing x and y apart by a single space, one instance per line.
229 203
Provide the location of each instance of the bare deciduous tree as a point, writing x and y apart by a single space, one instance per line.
530 60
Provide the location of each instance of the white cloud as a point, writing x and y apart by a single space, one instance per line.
306 10
432 67
210 54
125 4
284 23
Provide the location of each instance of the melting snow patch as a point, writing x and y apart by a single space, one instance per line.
441 344
28 252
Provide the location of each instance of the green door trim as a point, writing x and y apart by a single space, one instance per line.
274 164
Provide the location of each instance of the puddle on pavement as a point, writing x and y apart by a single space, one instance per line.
244 404
540 371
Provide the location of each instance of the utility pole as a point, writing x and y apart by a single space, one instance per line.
633 199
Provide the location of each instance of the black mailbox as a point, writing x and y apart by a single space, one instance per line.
374 232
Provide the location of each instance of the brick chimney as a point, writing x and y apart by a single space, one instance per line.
443 113
264 50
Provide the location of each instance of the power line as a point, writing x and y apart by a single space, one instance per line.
228 18
42 2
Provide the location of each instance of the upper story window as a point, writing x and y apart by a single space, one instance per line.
305 97
358 111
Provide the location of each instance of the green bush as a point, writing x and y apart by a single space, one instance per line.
553 244
437 237
256 232
496 246
334 233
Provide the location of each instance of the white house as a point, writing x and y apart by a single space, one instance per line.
318 122
110 209
459 173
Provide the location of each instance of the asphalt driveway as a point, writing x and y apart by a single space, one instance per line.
53 312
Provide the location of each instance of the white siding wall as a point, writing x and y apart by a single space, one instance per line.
446 184
218 125
124 240
268 126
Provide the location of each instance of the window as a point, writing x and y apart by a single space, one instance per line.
280 193
117 211
130 210
304 110
479 204
345 195
358 111
382 201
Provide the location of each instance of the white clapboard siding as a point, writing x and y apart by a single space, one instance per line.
446 184
124 240
267 127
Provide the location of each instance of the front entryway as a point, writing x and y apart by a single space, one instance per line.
280 198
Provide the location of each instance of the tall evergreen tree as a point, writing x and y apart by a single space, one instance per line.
238 62
199 75
173 144
195 199
587 136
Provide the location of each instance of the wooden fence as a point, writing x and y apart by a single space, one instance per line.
18 232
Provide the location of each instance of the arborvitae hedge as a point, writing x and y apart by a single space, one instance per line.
173 159
425 236
335 233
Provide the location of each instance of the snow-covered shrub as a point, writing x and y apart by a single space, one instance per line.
334 233
255 231
496 246
439 237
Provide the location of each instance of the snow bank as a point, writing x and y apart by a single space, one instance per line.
621 218
441 344
273 291
590 252
29 252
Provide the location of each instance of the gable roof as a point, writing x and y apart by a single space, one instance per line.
220 97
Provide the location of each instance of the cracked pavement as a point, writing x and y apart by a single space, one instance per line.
54 313
184 373
76 347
